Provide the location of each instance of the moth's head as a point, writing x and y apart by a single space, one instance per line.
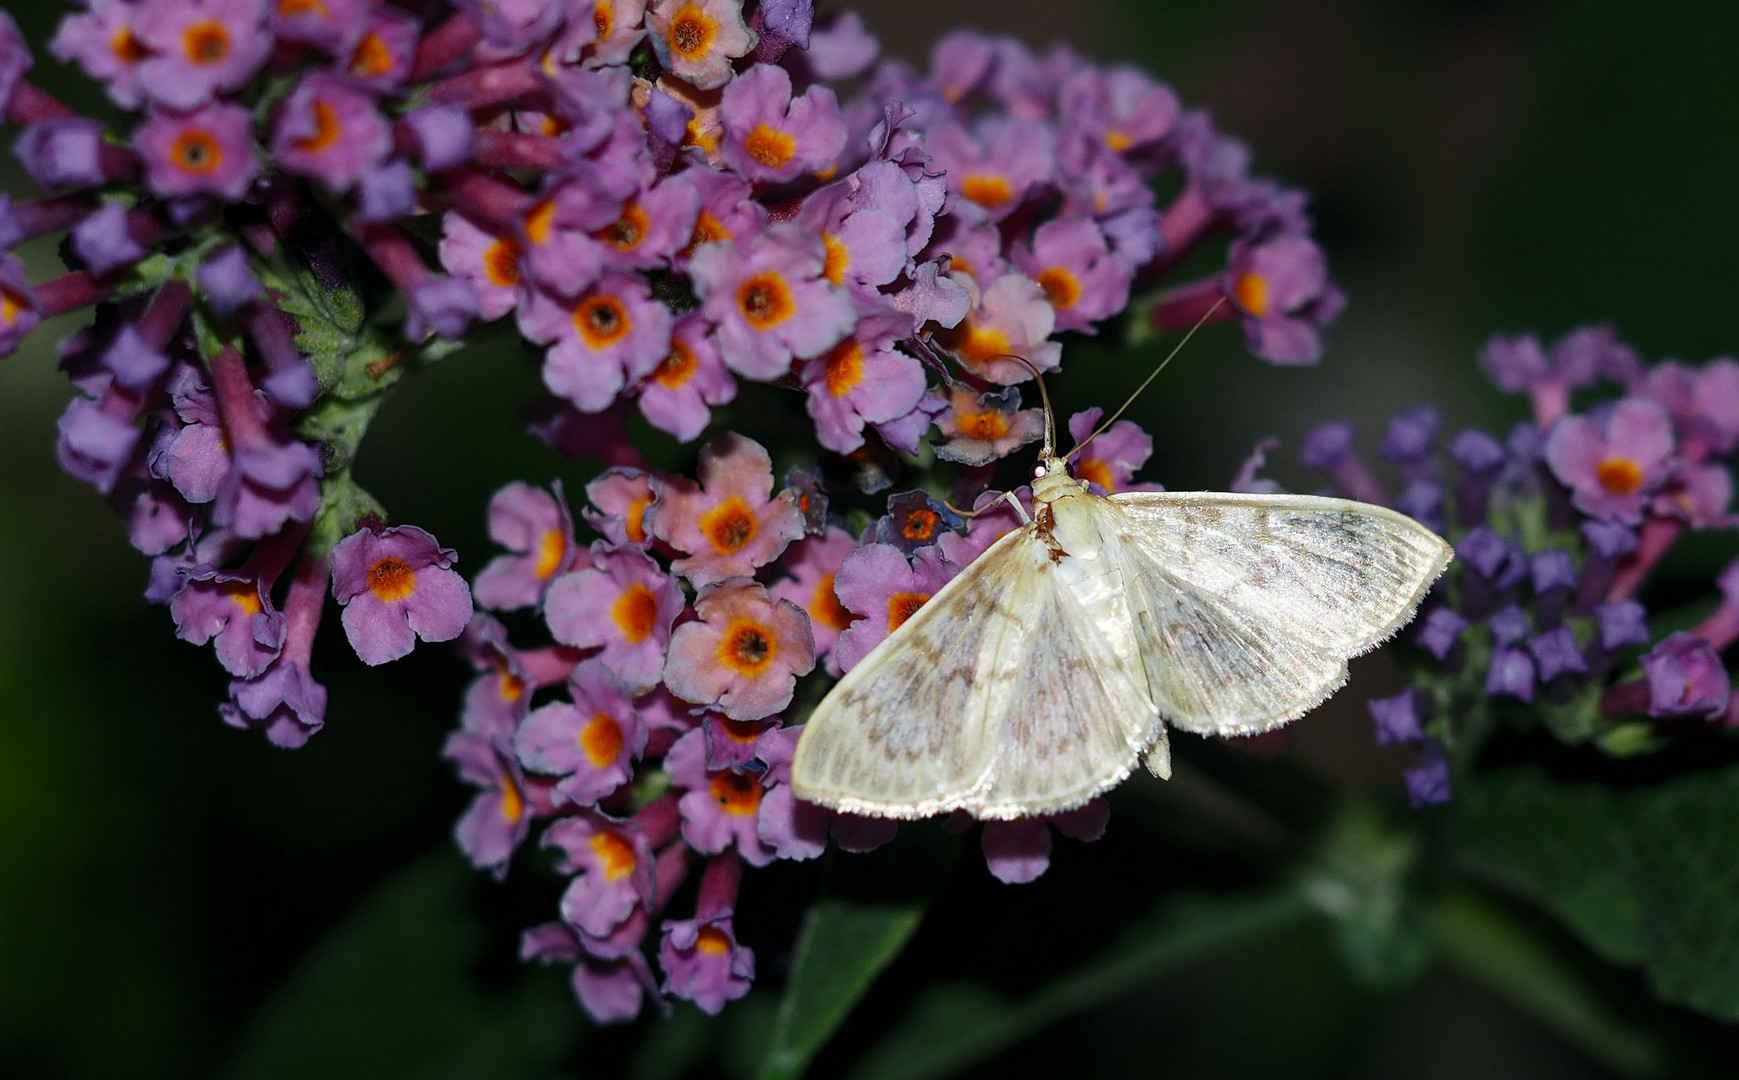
1051 480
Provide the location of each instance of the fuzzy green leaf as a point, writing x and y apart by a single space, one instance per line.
1647 877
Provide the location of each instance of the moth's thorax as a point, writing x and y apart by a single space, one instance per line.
1055 483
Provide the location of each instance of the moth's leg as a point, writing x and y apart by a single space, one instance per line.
1007 496
1157 758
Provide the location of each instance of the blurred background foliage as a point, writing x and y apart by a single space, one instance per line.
177 899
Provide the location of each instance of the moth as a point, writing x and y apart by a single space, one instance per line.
1040 675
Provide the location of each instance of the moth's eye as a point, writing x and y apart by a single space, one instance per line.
1038 471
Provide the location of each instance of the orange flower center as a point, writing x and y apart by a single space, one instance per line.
677 367
602 321
1251 292
615 854
1619 476
289 9
512 801
510 686
729 525
708 230
127 48
11 305
902 606
627 231
921 525
987 426
765 300
1095 472
602 740
1118 141
391 579
206 42
636 613
634 520
974 344
603 17
738 794
372 58
710 939
837 259
740 731
748 648
1061 287
539 220
326 130
551 552
244 595
825 608
989 190
501 264
692 32
769 146
844 368
196 151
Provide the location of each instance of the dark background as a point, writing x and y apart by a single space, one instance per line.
166 884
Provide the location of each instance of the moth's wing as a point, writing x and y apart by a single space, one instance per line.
1078 712
908 731
1248 606
998 696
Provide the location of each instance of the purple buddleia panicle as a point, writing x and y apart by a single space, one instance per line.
713 215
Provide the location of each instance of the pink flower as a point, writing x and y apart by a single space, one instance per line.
770 301
1013 318
613 863
696 40
397 585
331 131
538 528
729 524
744 654
863 379
611 334
980 428
878 583
198 47
770 136
1109 463
619 500
590 742
691 378
623 604
812 563
721 807
1072 262
1612 468
104 41
489 262
209 151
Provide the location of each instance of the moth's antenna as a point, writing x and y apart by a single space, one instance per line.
1045 396
1121 409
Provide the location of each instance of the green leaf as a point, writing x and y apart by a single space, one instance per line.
1484 942
955 1025
842 948
342 505
1647 877
391 994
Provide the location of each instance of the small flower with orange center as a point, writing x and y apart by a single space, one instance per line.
692 377
209 151
720 807
200 47
488 262
1012 318
386 52
621 603
1613 463
234 611
882 586
590 742
617 27
696 40
743 655
728 211
771 136
1109 463
536 526
331 25
770 301
104 41
729 524
864 379
1083 280
862 230
914 520
397 585
617 503
704 964
609 336
654 225
612 859
993 166
1282 290
329 129
498 699
1121 108
499 818
813 563
558 247
980 428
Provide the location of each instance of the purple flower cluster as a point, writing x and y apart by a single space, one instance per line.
1557 528
649 734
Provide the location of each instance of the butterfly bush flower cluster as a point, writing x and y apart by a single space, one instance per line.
1559 527
667 204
